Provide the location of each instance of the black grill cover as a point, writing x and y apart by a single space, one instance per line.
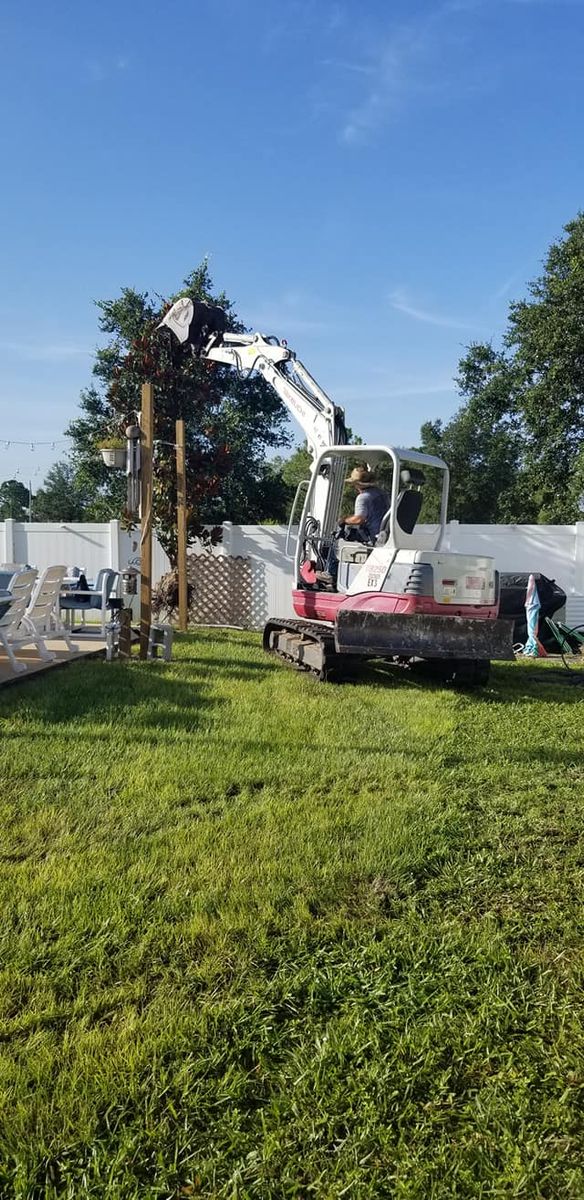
512 604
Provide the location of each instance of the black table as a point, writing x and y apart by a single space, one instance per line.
6 599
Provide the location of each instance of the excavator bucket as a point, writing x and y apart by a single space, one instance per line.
388 635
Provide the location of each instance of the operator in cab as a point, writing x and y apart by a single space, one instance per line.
371 506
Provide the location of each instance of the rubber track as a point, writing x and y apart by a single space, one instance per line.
311 631
460 673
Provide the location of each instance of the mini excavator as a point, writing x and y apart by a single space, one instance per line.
404 598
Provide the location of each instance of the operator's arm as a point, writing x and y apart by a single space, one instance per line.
361 511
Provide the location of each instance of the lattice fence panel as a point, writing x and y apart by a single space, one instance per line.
222 590
259 612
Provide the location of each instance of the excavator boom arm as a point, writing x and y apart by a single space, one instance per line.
201 328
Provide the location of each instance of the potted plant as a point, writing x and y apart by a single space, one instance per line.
113 450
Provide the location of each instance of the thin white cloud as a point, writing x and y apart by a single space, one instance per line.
400 301
549 3
395 391
336 18
47 352
344 64
100 69
423 389
298 20
291 313
282 323
395 384
504 289
459 6
420 57
402 67
96 71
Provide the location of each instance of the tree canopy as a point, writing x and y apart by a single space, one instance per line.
232 419
14 500
62 496
516 446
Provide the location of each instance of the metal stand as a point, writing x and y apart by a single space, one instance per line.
112 629
160 639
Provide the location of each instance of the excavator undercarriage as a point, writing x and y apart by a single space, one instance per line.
313 647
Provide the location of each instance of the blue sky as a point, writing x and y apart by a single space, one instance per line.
374 181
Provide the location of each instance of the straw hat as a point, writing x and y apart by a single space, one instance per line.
361 475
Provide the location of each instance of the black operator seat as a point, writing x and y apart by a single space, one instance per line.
409 504
408 510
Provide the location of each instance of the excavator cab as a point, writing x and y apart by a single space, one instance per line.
401 476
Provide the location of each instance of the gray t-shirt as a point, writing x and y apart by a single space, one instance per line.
373 505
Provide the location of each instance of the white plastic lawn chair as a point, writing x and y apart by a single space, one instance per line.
95 598
9 570
13 632
42 614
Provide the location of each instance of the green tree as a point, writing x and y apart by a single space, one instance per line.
545 341
284 476
296 468
232 419
289 472
61 497
482 445
516 446
14 500
104 490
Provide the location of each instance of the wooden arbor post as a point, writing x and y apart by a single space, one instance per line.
146 504
181 525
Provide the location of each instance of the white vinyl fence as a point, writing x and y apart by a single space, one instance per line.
88 546
555 550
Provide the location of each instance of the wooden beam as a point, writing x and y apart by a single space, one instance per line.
146 504
181 526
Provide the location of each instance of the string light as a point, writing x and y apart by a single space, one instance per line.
34 445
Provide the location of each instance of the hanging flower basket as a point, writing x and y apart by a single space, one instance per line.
114 455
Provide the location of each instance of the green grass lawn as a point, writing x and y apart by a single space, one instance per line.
264 938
